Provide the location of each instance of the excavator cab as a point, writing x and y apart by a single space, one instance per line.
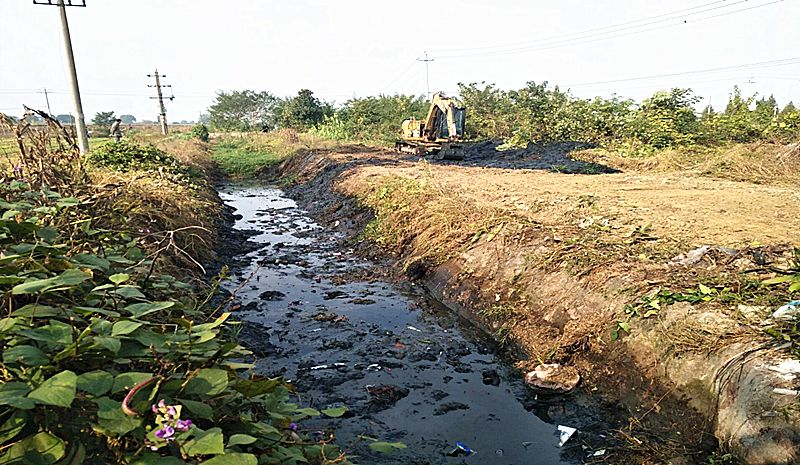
438 133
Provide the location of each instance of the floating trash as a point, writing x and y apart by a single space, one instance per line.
461 450
414 329
565 432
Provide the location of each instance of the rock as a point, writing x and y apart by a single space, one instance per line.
491 377
271 295
385 395
553 377
449 407
330 295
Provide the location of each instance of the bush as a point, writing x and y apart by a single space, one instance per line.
125 156
200 131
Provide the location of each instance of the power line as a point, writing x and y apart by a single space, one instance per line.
746 66
597 37
402 73
611 26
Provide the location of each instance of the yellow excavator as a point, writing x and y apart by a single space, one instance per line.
438 134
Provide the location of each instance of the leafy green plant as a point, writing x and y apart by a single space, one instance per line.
200 131
94 340
619 328
790 276
126 155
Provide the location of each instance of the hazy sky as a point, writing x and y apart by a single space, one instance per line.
345 48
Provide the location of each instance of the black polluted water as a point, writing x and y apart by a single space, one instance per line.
408 371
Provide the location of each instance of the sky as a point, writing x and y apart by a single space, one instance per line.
355 48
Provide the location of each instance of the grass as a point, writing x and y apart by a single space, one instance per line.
245 155
241 158
760 163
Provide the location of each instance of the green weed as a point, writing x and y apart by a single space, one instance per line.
243 158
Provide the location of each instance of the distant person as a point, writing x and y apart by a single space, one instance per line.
116 131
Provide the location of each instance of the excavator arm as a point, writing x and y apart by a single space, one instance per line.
441 106
437 133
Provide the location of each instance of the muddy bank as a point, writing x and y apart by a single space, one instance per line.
678 393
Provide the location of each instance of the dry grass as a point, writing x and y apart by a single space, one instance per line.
425 220
759 163
167 215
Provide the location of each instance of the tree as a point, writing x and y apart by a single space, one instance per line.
66 119
103 118
788 109
666 119
244 110
377 118
128 119
304 111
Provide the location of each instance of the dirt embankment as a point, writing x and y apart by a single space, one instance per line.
647 283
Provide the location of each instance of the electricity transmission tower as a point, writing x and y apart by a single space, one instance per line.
162 116
80 123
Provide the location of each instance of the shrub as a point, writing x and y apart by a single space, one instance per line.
125 156
200 131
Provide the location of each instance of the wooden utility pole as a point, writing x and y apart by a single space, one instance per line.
162 116
80 123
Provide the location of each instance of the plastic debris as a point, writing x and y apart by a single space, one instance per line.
565 432
693 256
553 377
414 329
789 311
461 450
373 367
789 369
599 453
333 365
786 392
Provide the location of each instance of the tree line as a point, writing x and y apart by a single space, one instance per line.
534 113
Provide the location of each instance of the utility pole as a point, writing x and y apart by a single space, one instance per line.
427 73
162 116
80 123
47 99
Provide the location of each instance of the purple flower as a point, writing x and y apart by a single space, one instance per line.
183 425
17 169
171 412
293 426
155 408
165 433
